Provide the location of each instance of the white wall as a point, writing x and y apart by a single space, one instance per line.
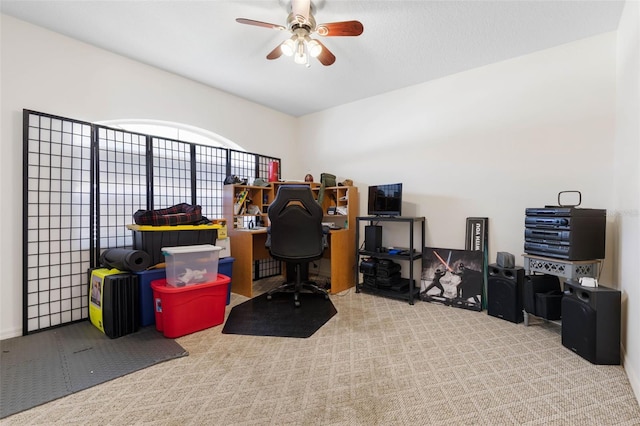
627 187
497 139
47 72
487 142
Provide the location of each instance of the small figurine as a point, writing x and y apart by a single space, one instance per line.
308 178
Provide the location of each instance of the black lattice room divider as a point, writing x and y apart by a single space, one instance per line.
57 220
121 185
82 183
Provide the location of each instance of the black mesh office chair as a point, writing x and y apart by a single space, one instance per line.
296 236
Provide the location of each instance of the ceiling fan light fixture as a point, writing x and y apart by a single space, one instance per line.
301 55
288 47
314 48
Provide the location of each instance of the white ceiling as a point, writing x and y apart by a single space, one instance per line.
404 42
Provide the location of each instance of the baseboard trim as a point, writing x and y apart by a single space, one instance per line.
632 375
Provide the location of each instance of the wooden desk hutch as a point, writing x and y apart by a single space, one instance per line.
245 207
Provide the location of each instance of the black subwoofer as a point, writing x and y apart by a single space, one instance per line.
504 293
591 322
373 238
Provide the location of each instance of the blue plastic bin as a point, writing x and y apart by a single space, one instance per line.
225 266
147 304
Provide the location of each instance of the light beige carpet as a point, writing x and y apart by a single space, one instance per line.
377 362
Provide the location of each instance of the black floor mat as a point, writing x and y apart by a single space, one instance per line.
44 366
279 316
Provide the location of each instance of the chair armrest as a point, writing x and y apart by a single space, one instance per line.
325 236
267 244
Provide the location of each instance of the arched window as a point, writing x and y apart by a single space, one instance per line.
171 130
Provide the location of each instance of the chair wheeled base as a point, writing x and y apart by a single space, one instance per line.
297 287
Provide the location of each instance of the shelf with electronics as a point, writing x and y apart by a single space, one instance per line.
245 207
373 258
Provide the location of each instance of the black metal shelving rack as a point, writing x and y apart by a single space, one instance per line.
411 294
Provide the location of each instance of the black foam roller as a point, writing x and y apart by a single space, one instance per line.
125 259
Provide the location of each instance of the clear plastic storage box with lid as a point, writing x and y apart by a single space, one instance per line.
191 265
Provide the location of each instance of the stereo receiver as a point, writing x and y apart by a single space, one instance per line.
565 232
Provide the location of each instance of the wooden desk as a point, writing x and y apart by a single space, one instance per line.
247 246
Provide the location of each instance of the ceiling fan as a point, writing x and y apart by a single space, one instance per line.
301 24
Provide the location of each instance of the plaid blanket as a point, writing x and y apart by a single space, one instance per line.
180 214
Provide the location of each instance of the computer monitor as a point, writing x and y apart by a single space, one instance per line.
385 200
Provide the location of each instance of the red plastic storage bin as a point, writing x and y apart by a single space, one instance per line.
185 310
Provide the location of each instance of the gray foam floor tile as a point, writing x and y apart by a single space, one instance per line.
44 366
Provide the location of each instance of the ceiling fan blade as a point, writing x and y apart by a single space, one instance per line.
300 10
259 24
275 53
344 28
325 57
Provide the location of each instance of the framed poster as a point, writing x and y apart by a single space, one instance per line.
477 238
477 234
453 277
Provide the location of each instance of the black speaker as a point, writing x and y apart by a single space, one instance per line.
504 293
591 322
373 238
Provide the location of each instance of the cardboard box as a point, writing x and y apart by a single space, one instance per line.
222 232
225 244
185 310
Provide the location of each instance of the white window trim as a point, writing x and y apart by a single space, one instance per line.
172 130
